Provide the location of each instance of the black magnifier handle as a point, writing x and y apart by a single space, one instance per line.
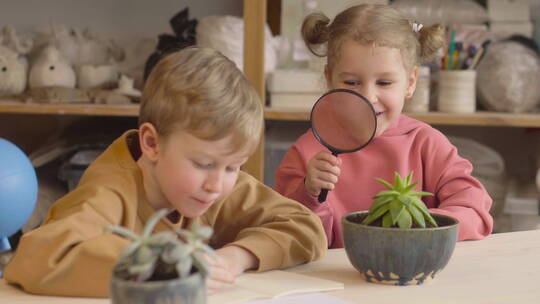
322 195
324 192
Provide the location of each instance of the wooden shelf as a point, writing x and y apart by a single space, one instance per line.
69 109
493 119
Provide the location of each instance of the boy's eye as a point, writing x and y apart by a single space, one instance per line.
384 83
203 165
233 169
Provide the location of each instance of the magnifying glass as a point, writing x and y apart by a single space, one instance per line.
343 121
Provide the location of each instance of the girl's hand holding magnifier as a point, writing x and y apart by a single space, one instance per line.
322 172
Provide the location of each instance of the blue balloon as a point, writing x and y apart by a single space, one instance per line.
18 190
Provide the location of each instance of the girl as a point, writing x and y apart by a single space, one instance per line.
375 51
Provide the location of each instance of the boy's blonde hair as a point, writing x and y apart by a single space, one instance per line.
375 25
200 91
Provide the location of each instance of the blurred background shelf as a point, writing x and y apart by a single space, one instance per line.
436 118
493 119
69 109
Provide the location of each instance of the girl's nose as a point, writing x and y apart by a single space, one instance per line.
369 93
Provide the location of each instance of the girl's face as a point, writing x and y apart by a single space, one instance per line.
377 73
190 174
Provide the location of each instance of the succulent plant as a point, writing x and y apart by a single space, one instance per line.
399 206
164 255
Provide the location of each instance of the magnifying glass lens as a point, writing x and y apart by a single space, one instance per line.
343 121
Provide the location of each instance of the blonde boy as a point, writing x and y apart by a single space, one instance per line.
199 121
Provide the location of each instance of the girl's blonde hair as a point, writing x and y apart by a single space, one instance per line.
375 25
200 91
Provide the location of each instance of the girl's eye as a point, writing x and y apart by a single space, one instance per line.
351 82
384 83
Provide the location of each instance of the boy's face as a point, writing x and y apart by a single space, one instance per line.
379 74
190 174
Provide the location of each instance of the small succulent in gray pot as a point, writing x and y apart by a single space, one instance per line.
163 267
398 241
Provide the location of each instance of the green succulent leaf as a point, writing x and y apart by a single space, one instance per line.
396 209
380 202
123 232
145 254
203 232
377 214
153 220
422 207
161 238
404 221
387 193
183 267
145 269
382 181
420 193
409 188
417 215
129 250
398 181
408 179
208 250
387 220
199 261
405 200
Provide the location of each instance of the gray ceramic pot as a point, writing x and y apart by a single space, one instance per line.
191 290
399 256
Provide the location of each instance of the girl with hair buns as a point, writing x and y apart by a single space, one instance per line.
375 51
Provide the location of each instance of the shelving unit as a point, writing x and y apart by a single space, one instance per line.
7 106
485 119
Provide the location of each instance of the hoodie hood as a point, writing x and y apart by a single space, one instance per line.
403 125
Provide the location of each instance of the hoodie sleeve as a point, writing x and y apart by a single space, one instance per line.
278 231
289 181
458 193
71 254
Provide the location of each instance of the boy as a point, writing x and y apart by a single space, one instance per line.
199 121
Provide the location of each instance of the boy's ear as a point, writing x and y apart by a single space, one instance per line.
149 141
411 82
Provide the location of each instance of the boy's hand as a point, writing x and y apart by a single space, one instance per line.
322 172
231 261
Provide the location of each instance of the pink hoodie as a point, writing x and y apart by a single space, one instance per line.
408 145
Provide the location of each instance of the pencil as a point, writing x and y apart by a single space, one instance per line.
451 48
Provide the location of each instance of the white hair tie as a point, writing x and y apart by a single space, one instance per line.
417 27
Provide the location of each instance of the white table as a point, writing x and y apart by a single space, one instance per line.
503 268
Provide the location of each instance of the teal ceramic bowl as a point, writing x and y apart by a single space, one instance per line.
399 256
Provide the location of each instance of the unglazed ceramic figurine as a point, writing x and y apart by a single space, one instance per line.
13 62
51 70
13 72
125 87
90 76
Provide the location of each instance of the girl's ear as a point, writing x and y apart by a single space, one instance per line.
328 76
411 82
149 141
